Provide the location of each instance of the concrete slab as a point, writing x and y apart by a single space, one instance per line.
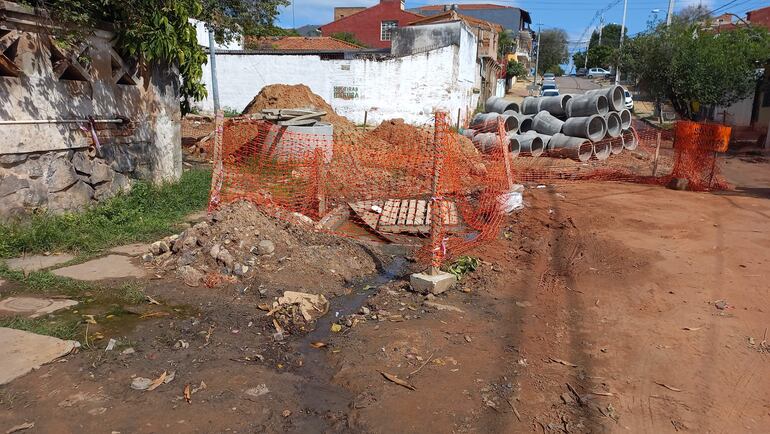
432 283
35 307
136 249
37 262
107 267
26 351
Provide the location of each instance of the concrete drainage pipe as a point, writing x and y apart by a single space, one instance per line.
554 105
499 105
587 105
616 145
616 96
602 150
488 122
630 141
545 123
625 119
486 142
525 121
469 133
514 146
592 128
529 106
576 148
530 144
612 119
544 137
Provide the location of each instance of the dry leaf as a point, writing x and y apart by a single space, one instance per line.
277 326
263 306
668 387
152 300
158 381
400 382
198 389
187 394
563 362
22 427
154 315
318 345
336 328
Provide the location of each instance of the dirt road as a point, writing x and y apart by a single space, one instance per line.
603 307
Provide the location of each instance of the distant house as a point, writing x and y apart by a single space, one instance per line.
308 30
372 26
324 46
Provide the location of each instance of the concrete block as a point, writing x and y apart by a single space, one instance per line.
435 284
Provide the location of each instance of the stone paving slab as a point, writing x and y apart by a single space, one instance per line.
25 351
37 262
35 307
107 267
136 249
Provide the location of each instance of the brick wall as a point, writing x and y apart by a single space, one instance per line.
365 25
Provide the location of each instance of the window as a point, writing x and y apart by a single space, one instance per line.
386 29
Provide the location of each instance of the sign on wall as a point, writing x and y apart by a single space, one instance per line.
346 92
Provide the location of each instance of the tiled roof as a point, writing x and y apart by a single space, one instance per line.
453 15
463 6
300 43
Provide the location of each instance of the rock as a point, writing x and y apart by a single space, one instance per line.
265 247
118 158
10 160
60 174
678 184
101 172
10 184
36 195
35 166
148 257
214 252
201 227
141 383
159 247
240 269
226 259
256 392
128 351
365 310
439 306
77 196
191 276
190 242
82 163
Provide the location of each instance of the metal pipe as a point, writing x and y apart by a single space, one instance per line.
529 144
62 121
576 148
545 123
625 119
529 105
500 105
612 120
587 105
591 127
615 96
554 105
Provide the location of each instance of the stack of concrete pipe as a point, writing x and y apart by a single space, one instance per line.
595 124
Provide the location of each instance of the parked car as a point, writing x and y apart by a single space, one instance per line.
550 92
549 85
548 76
629 101
598 72
581 72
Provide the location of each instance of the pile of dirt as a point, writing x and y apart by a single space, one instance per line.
285 96
241 243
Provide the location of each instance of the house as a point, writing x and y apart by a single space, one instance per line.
324 46
372 26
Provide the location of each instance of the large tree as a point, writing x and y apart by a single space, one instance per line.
610 36
553 49
692 66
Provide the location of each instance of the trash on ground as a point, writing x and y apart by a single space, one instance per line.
394 379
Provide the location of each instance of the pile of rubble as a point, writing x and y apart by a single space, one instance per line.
240 242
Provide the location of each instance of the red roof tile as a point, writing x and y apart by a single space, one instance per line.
300 43
463 6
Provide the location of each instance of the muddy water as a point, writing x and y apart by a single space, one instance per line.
318 393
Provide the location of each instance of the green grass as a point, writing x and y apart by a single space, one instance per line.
58 328
147 212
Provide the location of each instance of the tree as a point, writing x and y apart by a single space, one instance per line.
347 37
602 56
691 66
505 44
693 14
579 59
610 36
553 49
515 69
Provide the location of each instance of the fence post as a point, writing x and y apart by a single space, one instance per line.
504 146
436 218
217 173
657 153
320 177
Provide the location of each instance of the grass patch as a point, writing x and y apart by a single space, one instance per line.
70 329
147 212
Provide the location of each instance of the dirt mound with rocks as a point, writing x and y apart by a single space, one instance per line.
240 243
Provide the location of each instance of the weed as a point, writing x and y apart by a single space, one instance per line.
131 293
463 265
63 329
46 282
147 212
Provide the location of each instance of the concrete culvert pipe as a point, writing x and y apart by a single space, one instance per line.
499 105
525 121
612 119
555 105
625 119
529 106
629 140
487 122
576 148
616 145
514 146
602 150
592 128
616 96
469 133
545 123
530 144
544 137
587 105
486 142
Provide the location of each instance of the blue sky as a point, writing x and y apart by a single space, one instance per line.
573 16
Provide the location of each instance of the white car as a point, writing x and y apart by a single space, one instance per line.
550 92
629 101
598 72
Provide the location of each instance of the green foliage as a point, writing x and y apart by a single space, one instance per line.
230 112
579 59
556 70
230 18
463 265
515 69
505 44
278 31
691 66
553 49
69 329
45 282
602 56
610 37
146 212
347 37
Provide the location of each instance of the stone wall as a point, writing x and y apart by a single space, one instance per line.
92 120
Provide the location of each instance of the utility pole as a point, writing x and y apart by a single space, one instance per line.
622 34
537 59
601 27
214 83
670 12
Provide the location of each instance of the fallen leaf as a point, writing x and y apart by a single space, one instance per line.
277 326
154 315
198 389
336 328
187 394
264 306
158 381
22 427
152 300
668 387
563 362
400 382
318 345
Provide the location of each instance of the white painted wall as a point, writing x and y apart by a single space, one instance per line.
408 87
203 38
738 114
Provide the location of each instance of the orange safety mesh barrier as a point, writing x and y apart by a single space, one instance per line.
428 186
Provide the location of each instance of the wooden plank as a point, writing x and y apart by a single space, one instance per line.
402 212
428 213
444 210
364 211
390 212
454 218
411 212
420 213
